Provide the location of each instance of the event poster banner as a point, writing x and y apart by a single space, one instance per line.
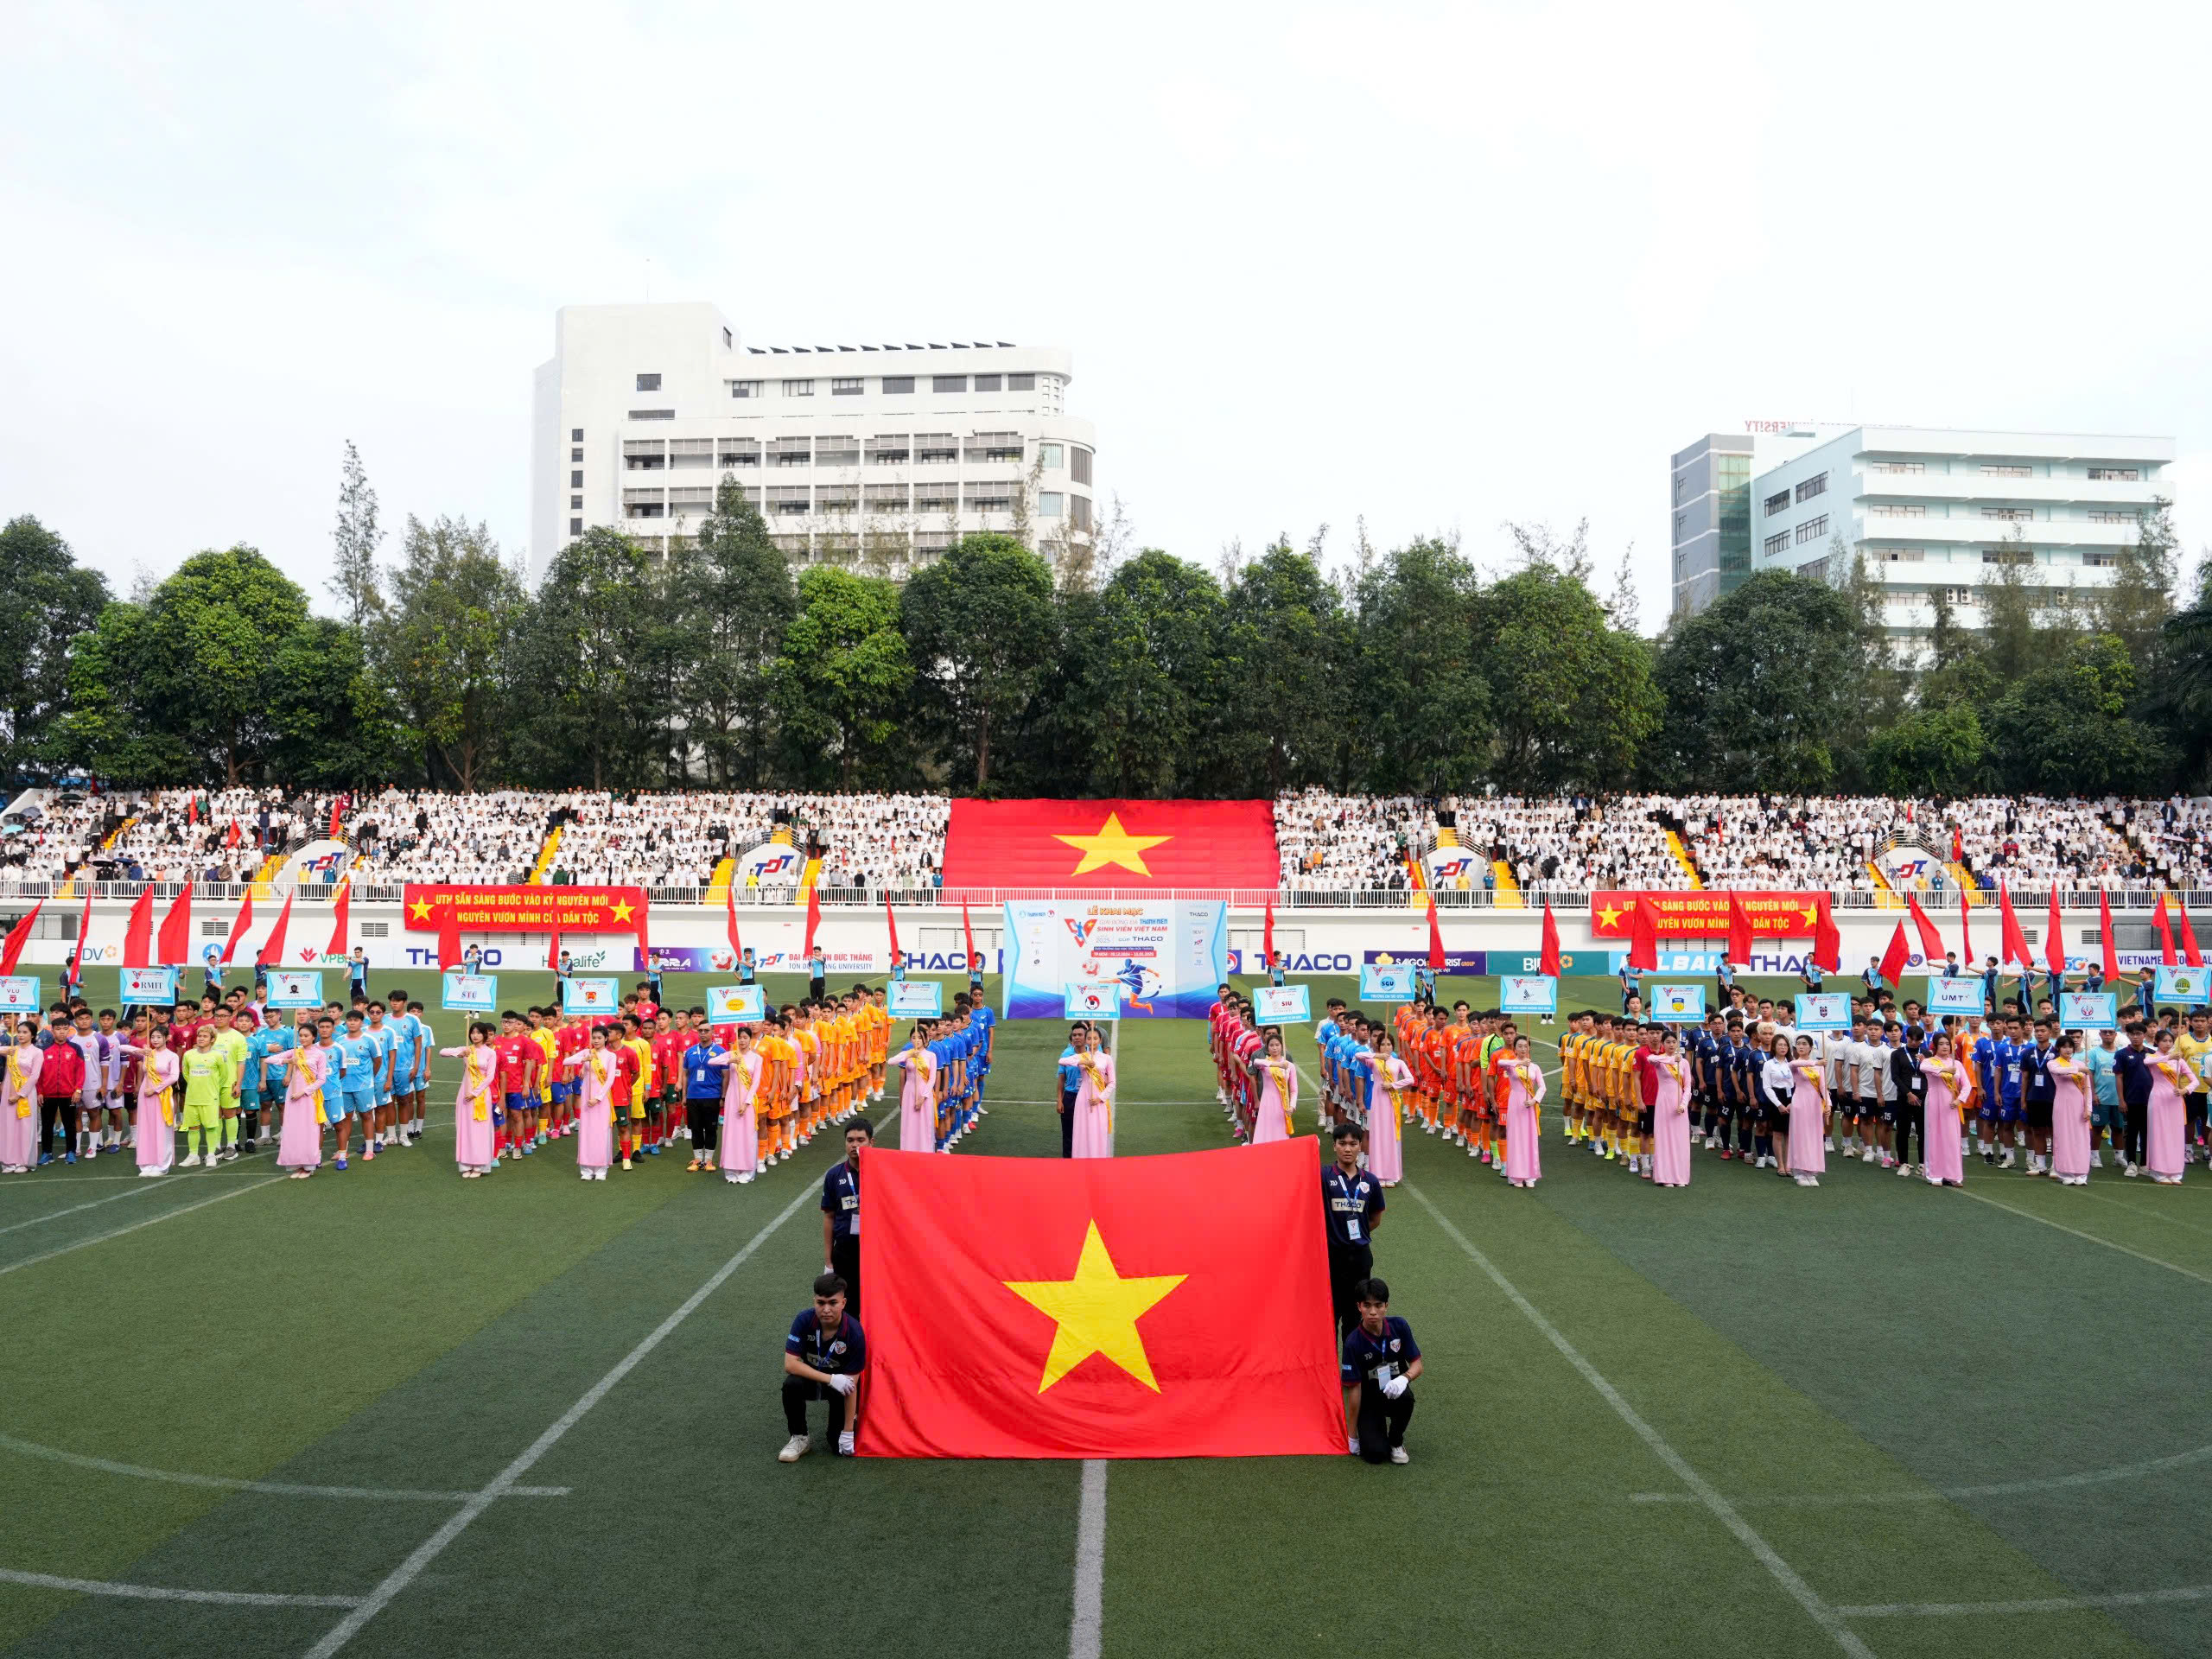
19 994
292 988
591 996
471 993
736 1005
1281 1004
1953 993
2189 987
1677 1005
1091 999
1528 993
1824 1011
914 999
1386 982
1166 954
148 987
2088 1010
1704 914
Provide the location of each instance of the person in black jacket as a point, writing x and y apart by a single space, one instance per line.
1910 1083
2130 1070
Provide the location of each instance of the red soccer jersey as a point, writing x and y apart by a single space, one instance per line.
517 1056
625 1073
669 1048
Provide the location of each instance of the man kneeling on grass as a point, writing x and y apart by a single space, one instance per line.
823 1359
1381 1360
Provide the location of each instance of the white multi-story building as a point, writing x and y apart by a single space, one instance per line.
878 455
1933 509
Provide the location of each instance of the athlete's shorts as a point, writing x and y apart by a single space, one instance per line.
2104 1114
1647 1120
517 1103
2008 1111
358 1105
403 1083
199 1117
1887 1112
2037 1112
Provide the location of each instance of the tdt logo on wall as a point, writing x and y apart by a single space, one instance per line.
1454 867
772 863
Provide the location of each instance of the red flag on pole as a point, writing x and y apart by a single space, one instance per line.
1966 929
192 810
18 936
2054 945
337 820
1435 938
967 931
813 921
138 931
1897 957
729 907
239 924
1932 938
890 921
553 951
1547 964
2015 945
2166 933
1642 936
1108 1311
644 932
272 949
448 939
1828 939
173 948
1740 939
2189 953
1267 935
84 926
340 916
2104 936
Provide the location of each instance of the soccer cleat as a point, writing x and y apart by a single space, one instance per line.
626 1163
1398 1455
190 1161
794 1449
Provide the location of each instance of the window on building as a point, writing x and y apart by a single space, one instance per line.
1897 467
576 436
937 496
1051 454
886 498
649 382
744 388
787 498
574 502
2008 555
2118 474
2100 560
652 414
1080 468
799 388
1681 484
737 452
2009 515
1897 510
1049 504
575 455
837 449
2113 516
1817 485
1816 568
1900 555
994 446
990 495
1079 512
845 388
575 480
1021 383
898 382
576 526
934 449
1778 502
889 449
1812 530
2006 469
791 452
948 383
1778 543
986 383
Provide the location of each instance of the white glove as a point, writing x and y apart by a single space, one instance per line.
1353 1445
1394 1388
841 1382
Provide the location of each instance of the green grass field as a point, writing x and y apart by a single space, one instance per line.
251 1416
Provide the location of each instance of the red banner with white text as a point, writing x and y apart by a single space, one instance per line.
525 909
1704 915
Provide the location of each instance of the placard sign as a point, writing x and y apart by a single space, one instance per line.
1953 993
471 993
295 988
19 994
1281 1004
1386 982
1676 1005
148 987
591 996
2088 1010
914 999
1824 1011
2189 987
1528 993
1091 999
736 1005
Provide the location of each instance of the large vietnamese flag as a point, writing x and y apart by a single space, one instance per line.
1112 844
1111 1307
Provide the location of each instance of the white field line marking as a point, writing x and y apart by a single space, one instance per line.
2030 1215
2040 1604
163 1593
436 1545
151 1221
2145 1210
273 1488
1802 1593
138 1189
1936 1494
1086 1632
176 1177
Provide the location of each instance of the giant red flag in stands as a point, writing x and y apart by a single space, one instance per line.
1115 843
1173 1306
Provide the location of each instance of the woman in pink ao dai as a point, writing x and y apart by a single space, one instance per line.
153 1129
1094 1100
1808 1105
918 1093
1278 1094
1388 1079
2069 1115
740 1124
596 1109
1950 1092
1670 1117
475 1145
1524 1164
19 1118
299 1147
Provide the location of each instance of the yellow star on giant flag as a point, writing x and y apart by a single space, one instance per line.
1098 1312
1812 915
622 909
1112 845
421 909
1607 915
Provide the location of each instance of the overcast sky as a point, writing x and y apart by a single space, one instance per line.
1439 267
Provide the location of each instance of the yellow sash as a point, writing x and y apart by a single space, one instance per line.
1099 1090
481 1110
1279 1073
18 1081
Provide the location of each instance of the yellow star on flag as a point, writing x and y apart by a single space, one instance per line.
622 909
1098 1312
421 909
1111 845
1812 915
1607 915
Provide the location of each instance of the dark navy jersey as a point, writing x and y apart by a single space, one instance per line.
2036 1083
1351 1205
841 1199
842 1351
1377 1359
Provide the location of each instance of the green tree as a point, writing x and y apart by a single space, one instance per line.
2064 728
742 587
1139 704
1927 752
354 576
105 726
1284 639
2134 606
1571 694
333 722
1759 689
843 678
980 625
2181 701
54 601
1418 708
581 714
218 631
442 647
